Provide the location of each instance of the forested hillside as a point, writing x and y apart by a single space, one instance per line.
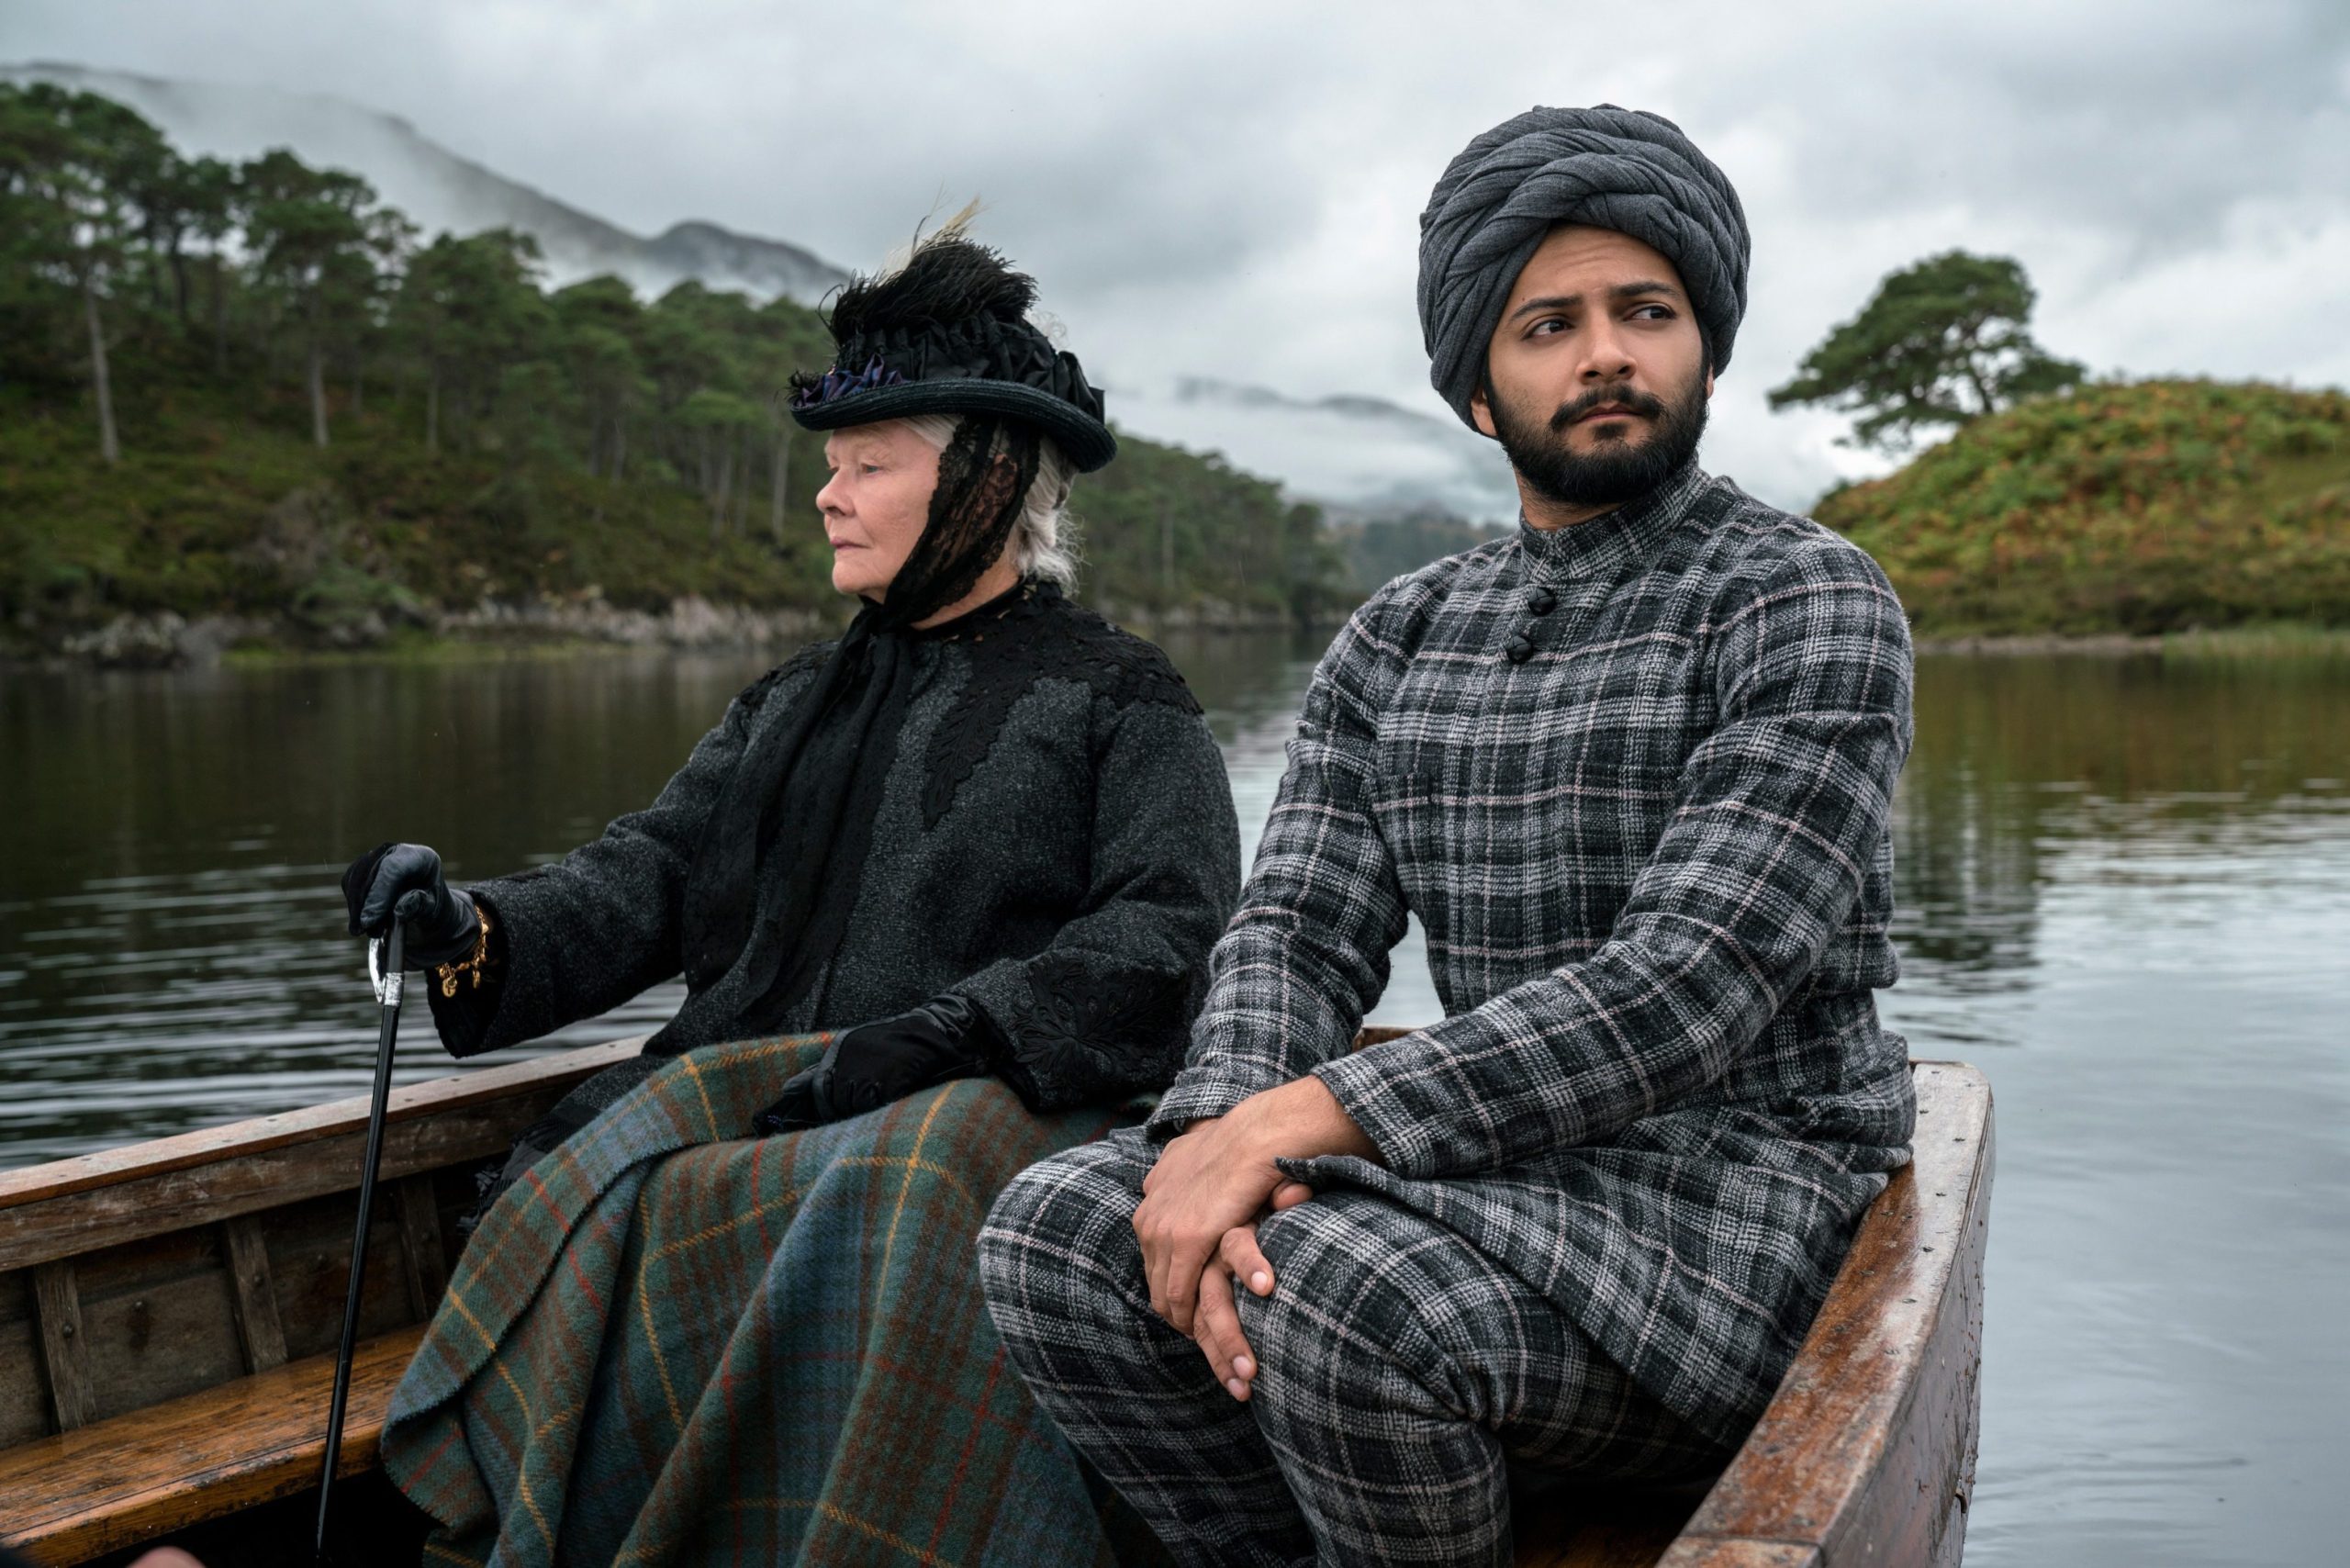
254 391
1377 551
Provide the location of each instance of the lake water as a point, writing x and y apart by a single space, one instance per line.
2124 894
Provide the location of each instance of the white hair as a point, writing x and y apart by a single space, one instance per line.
1044 542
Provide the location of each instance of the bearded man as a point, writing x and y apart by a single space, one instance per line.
1633 767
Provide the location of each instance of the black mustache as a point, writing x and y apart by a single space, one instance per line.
1641 403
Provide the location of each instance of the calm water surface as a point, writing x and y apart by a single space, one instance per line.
2125 893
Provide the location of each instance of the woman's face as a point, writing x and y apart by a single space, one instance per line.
877 502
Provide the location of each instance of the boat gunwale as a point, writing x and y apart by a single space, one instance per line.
1822 1470
310 1124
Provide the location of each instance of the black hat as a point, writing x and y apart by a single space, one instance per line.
949 334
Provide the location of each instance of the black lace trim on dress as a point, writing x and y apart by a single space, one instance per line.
754 696
1084 1028
1039 636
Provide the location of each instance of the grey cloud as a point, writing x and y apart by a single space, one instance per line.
2153 119
1231 189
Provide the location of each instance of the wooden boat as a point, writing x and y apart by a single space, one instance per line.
168 1314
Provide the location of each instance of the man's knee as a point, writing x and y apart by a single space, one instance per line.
1328 1246
1320 1259
1342 1321
1053 1230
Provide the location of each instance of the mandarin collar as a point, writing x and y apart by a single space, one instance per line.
1613 540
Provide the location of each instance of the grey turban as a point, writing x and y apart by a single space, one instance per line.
1621 169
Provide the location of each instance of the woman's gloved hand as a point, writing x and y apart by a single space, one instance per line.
874 1063
403 882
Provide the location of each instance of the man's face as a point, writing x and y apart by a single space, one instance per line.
1595 378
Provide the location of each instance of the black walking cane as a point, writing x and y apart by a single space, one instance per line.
383 970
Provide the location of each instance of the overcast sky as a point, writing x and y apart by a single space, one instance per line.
1233 189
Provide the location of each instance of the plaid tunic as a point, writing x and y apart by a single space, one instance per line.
1634 777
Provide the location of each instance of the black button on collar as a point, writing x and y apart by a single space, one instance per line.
1519 649
1541 601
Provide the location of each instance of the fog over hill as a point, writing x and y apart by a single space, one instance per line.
1362 458
440 190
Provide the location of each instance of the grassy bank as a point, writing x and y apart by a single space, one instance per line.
217 513
2141 509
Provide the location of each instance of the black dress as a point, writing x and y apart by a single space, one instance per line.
1054 840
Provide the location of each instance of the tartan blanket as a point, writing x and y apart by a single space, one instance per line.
669 1343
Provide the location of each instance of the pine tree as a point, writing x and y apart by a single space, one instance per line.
1942 341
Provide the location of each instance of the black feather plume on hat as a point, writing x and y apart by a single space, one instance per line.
946 281
948 332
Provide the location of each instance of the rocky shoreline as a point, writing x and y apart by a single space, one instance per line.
2223 640
169 641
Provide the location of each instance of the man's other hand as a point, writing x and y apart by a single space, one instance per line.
1219 1174
1216 1326
1208 1180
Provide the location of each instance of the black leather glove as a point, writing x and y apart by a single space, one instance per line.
403 882
874 1063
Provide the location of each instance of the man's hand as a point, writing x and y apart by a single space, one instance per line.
1220 1174
1208 1180
1216 1326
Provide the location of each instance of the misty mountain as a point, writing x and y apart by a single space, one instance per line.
440 190
1363 459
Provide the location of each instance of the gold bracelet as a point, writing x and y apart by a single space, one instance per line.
473 965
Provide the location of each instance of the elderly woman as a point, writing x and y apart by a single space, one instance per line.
941 892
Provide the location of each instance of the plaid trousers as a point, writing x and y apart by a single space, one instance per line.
1403 1375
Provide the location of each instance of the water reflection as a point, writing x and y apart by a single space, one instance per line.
2124 890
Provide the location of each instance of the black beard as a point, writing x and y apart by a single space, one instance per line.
1618 470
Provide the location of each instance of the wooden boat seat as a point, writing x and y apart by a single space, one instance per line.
166 1308
127 1479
